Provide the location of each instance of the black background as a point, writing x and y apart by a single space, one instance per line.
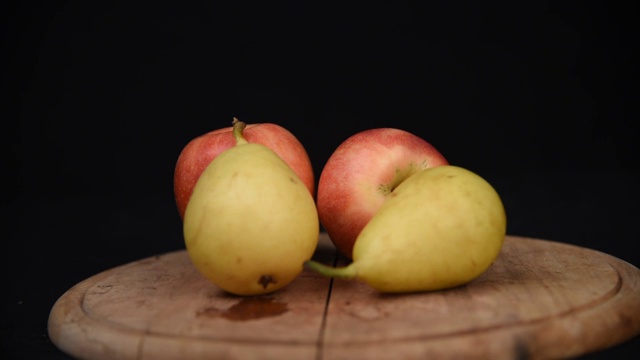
540 98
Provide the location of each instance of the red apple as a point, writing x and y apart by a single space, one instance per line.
361 173
200 151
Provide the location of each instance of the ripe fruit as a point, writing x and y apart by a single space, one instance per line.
361 174
199 152
250 223
440 228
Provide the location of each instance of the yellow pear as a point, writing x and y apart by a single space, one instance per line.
250 223
440 228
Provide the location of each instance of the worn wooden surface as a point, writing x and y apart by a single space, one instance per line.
539 300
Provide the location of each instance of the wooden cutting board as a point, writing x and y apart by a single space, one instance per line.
539 300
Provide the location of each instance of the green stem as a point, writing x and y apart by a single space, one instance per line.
347 272
238 128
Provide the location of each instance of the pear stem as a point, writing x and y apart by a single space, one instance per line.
347 272
238 128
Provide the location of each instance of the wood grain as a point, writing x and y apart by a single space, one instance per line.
539 300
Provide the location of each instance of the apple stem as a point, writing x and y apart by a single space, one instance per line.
238 128
347 272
